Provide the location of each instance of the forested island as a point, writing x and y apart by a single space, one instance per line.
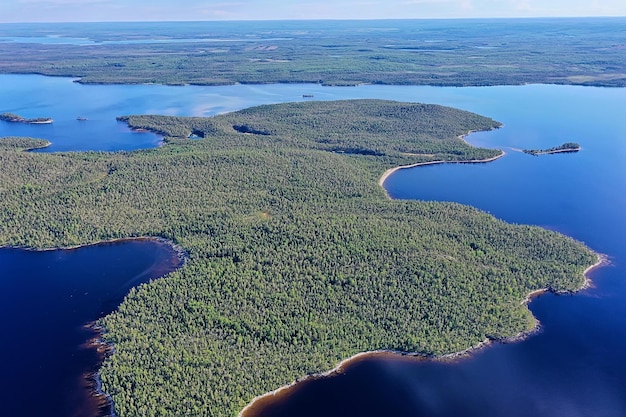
566 147
297 258
16 118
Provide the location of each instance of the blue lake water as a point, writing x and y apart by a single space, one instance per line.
573 367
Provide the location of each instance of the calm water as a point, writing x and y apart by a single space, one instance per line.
572 368
46 298
64 100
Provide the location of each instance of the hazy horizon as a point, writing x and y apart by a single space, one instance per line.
70 11
313 20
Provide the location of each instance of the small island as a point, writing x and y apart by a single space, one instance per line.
16 118
566 147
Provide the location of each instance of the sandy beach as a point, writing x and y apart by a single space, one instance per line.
388 173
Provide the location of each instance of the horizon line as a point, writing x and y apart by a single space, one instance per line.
321 19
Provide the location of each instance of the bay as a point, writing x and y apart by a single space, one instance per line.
571 368
46 300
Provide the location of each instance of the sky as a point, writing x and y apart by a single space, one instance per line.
171 10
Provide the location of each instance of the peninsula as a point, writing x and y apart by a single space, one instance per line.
297 258
16 118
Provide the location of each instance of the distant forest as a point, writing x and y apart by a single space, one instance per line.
464 52
297 257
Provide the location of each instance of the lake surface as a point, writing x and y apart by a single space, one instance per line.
46 299
64 100
573 367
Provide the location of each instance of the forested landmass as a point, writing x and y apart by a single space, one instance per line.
297 259
16 118
566 147
22 143
459 52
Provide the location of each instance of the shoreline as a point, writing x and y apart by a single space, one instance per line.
390 171
325 374
602 260
461 137
104 350
16 118
559 151
90 379
551 151
34 148
182 254
46 145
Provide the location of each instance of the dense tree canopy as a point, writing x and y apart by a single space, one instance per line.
297 257
441 52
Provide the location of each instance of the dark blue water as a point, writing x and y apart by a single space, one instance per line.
46 299
573 367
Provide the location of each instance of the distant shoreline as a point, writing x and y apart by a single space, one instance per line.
566 147
16 118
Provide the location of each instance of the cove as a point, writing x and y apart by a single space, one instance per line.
47 299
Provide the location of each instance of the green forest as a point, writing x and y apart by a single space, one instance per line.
461 52
16 118
297 257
